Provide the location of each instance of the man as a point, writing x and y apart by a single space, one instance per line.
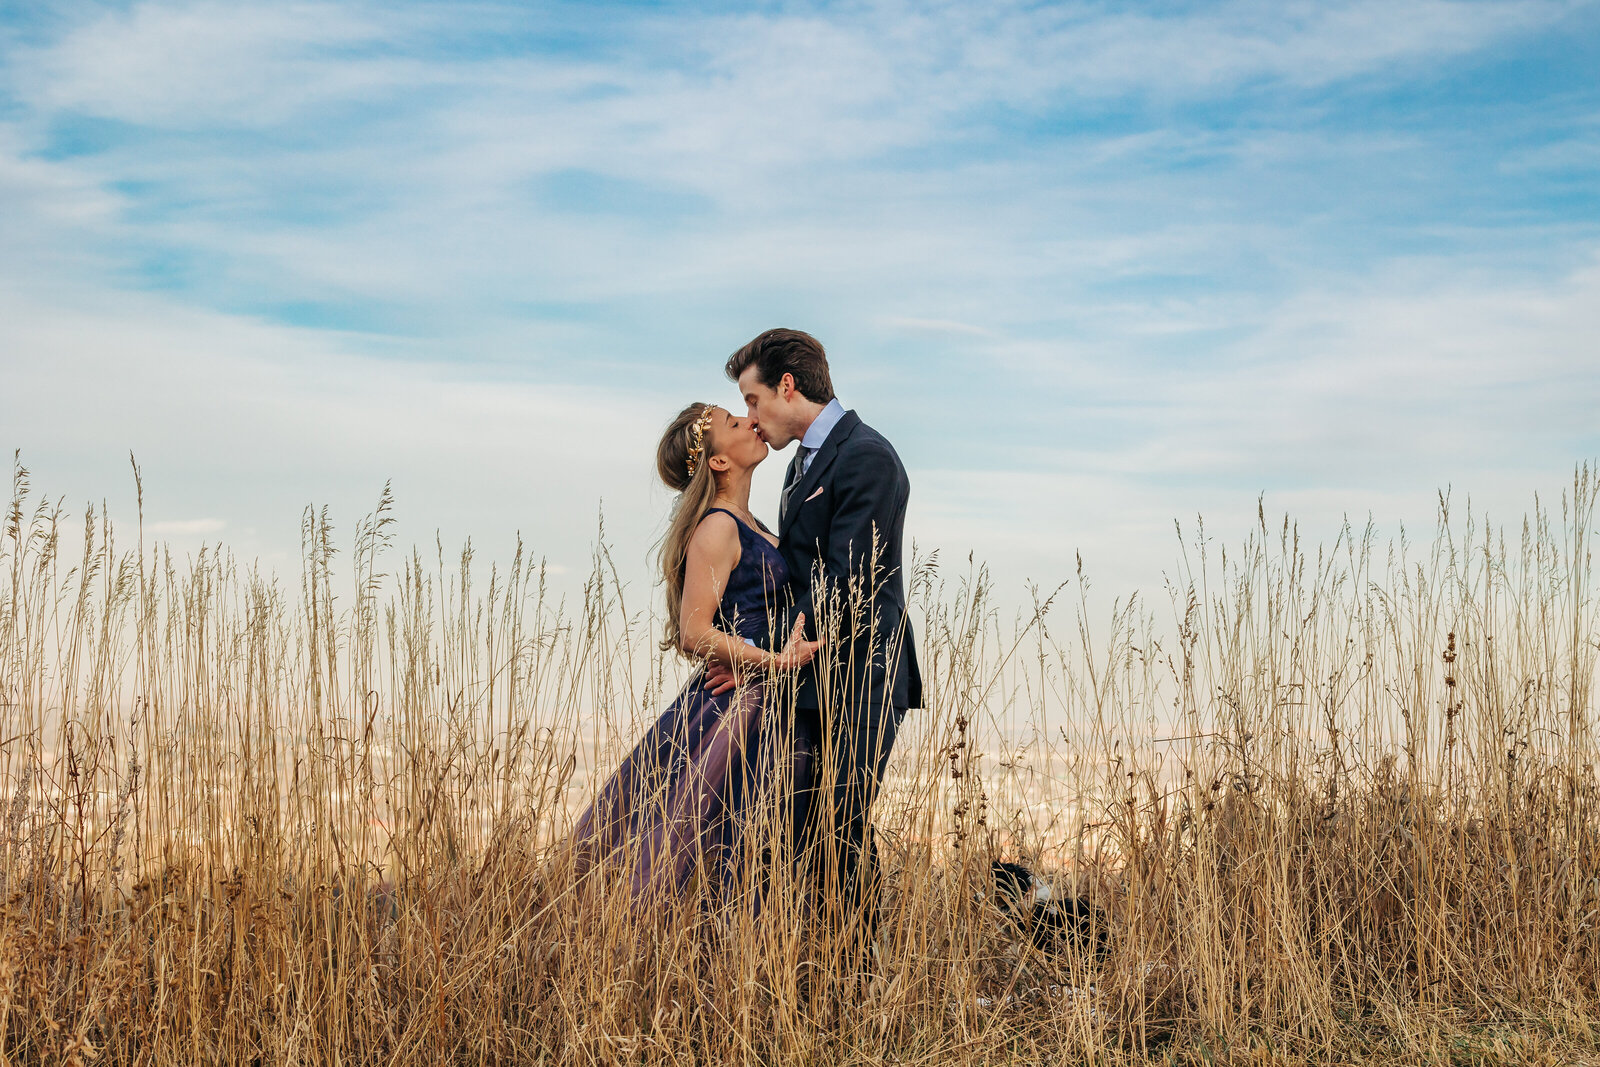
841 528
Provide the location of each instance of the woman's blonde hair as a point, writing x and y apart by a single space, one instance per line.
683 461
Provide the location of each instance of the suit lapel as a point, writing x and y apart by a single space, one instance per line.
819 466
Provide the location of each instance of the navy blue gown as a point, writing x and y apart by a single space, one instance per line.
681 801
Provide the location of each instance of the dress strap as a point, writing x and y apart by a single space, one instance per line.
758 531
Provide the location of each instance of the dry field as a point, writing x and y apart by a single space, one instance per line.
1335 803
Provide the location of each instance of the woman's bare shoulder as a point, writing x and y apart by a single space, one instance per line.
717 532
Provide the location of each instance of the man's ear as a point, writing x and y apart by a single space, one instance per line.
786 386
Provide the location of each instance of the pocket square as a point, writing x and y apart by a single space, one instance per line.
814 495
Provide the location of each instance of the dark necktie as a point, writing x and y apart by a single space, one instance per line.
797 473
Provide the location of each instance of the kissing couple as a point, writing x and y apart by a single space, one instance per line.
809 662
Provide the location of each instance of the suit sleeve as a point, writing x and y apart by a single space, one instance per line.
866 492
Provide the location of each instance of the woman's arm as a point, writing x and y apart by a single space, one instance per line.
713 553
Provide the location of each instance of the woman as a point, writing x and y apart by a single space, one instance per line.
679 802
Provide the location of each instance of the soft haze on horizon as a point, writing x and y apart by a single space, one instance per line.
1092 269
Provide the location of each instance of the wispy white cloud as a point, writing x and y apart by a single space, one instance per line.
192 66
254 422
285 252
936 326
1216 48
170 528
1364 400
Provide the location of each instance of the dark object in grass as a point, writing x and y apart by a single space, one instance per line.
1051 923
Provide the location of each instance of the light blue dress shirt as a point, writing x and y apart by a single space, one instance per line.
819 430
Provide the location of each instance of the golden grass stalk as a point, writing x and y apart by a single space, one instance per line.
1340 806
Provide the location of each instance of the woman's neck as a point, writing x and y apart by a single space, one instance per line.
734 488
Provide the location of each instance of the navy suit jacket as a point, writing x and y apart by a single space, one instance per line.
850 504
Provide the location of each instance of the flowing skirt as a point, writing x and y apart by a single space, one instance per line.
708 792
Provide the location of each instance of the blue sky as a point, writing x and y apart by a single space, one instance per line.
1092 267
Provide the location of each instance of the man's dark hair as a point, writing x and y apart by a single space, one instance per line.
779 352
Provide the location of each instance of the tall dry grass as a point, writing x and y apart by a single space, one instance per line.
1337 804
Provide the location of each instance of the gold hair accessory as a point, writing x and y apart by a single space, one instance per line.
698 432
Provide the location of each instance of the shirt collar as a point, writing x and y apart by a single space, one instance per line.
823 424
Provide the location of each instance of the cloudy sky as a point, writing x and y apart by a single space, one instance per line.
1092 267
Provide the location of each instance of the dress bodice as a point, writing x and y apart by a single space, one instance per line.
751 601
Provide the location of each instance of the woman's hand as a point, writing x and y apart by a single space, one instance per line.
798 651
